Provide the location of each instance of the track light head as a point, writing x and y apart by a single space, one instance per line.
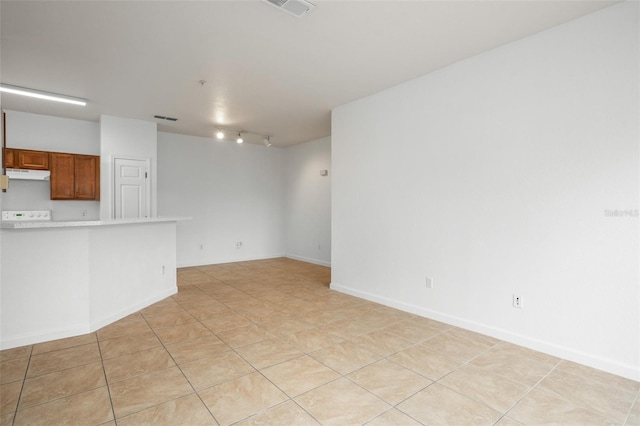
220 134
266 141
239 140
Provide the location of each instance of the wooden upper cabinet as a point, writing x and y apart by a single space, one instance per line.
87 177
25 159
75 177
9 158
62 176
34 160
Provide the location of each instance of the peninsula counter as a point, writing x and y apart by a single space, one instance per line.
62 279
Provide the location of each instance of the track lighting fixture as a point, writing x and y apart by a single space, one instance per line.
241 136
23 91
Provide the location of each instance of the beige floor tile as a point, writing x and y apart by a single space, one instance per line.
6 419
243 336
9 394
240 398
70 342
287 413
323 316
127 326
472 336
411 331
347 328
286 324
63 359
187 410
182 332
189 294
597 377
206 309
389 381
425 361
162 307
129 344
226 320
13 369
427 322
506 421
169 319
393 417
192 276
198 348
539 407
342 402
91 407
19 352
210 371
383 343
345 357
437 405
485 387
634 416
299 375
132 395
608 400
139 363
456 345
268 352
516 363
60 384
311 340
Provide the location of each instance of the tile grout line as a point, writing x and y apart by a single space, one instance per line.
106 381
24 380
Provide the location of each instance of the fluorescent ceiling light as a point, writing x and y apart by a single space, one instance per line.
16 90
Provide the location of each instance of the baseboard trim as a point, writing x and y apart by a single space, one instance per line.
102 322
192 263
308 260
607 365
85 327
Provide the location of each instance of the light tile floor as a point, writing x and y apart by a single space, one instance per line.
267 343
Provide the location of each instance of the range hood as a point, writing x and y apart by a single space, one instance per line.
24 174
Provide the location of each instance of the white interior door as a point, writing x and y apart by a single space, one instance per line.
132 188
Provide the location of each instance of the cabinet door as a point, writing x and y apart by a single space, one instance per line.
9 158
34 160
87 177
62 176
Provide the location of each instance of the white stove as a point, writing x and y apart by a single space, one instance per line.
26 215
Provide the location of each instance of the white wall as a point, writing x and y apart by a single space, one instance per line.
308 201
232 192
493 176
47 133
125 138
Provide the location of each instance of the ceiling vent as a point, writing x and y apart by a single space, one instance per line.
297 8
162 117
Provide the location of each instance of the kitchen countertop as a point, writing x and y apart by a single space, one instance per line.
76 223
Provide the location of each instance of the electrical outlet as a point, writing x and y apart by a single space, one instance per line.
517 301
84 213
429 282
238 244
162 270
201 246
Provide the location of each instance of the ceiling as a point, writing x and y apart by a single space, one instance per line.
265 71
